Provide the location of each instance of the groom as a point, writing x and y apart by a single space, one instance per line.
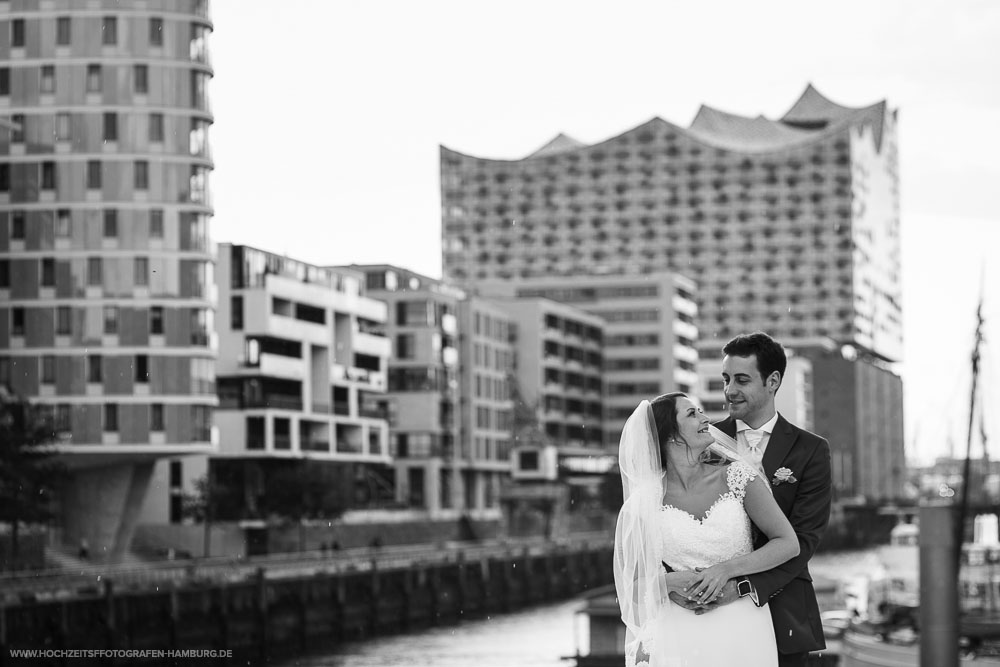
797 464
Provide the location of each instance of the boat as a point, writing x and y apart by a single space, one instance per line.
885 606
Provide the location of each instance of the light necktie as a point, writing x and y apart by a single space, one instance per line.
753 438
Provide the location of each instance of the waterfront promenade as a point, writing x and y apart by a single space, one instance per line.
286 605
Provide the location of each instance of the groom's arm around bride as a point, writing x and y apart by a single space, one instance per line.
797 464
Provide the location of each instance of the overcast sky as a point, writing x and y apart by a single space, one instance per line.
329 115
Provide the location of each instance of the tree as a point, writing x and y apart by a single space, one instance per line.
526 428
29 473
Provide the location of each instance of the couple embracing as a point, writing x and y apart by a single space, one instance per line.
719 523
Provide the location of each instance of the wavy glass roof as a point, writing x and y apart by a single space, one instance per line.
812 117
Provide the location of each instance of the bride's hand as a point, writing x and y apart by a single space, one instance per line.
709 584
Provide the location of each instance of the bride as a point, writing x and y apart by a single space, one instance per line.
684 527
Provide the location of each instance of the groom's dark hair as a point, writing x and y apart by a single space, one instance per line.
769 352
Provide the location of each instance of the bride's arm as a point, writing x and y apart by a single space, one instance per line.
781 546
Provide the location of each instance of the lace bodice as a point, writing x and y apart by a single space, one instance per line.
724 532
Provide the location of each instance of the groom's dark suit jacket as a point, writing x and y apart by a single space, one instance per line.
788 588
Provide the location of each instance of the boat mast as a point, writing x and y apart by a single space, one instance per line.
966 472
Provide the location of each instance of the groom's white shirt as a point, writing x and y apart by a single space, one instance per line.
749 438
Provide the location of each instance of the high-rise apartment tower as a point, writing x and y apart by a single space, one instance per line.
106 280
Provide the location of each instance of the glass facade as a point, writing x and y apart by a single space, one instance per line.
106 269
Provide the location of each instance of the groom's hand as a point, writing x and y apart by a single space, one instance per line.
729 594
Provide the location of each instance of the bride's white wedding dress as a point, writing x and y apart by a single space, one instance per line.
739 633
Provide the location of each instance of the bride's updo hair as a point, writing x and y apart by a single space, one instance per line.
665 417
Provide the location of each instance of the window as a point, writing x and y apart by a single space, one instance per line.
48 272
63 31
156 417
140 79
93 78
63 321
17 225
4 274
48 175
94 368
111 320
175 474
110 223
198 83
110 417
140 271
404 346
156 320
4 177
94 273
93 174
198 137
4 81
17 134
62 127
110 126
156 32
156 127
48 79
141 173
17 321
48 369
156 223
142 368
236 313
109 31
62 223
17 33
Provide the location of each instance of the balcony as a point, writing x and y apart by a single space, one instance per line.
376 346
276 365
375 379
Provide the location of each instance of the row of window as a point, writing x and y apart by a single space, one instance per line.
491 449
62 124
109 31
193 274
108 321
492 327
494 419
487 356
48 180
94 82
60 415
97 369
492 388
109 226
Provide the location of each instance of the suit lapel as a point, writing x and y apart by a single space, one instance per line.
781 440
727 426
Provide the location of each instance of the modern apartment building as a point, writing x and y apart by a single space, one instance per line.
301 378
448 391
859 409
485 353
649 332
788 225
559 372
106 271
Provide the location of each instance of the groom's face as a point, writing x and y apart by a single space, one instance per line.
748 396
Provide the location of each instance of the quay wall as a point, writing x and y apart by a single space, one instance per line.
262 617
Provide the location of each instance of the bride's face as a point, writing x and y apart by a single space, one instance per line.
692 425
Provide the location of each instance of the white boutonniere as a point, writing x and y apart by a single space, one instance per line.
783 475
